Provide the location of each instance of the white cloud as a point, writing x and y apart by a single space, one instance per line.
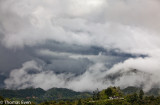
110 24
21 78
131 26
94 77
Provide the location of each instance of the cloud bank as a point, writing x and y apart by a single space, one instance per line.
31 74
72 43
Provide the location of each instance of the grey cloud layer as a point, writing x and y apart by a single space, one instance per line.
32 74
65 21
93 38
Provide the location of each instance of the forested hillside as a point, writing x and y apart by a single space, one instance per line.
40 95
62 96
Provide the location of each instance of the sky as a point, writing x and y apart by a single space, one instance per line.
79 44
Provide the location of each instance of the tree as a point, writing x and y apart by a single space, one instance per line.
109 92
1 98
132 98
96 95
79 102
141 93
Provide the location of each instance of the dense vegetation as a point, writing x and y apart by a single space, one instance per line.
39 95
22 93
109 96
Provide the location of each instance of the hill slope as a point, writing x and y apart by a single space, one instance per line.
39 94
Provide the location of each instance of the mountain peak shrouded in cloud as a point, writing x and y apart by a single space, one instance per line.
73 43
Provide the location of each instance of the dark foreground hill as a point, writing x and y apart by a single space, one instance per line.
22 93
63 93
61 96
39 95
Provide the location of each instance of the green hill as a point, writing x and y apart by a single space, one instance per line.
62 96
63 93
22 93
39 95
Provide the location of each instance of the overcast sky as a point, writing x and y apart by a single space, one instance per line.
79 44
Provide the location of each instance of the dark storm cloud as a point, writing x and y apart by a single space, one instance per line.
69 65
63 63
10 59
2 78
13 58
